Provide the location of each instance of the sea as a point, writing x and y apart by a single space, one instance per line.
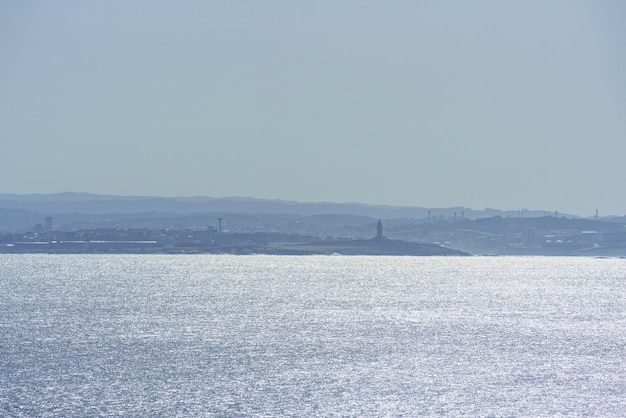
311 336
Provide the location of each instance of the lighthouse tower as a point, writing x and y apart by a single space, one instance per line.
379 230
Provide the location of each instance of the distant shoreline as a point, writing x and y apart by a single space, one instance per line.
373 247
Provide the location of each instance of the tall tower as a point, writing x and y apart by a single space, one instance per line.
48 224
379 230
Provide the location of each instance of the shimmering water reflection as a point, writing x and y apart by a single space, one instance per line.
90 335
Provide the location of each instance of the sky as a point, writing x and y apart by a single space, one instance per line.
482 104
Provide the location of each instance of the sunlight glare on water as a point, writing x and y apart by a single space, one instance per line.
162 335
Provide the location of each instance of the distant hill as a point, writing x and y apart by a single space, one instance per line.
86 203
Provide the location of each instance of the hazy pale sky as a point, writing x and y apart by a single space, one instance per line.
503 104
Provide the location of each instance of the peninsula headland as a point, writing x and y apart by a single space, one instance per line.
87 223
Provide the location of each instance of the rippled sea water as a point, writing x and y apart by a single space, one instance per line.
220 335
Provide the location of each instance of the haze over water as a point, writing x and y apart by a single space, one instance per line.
159 335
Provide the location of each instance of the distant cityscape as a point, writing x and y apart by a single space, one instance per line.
302 231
